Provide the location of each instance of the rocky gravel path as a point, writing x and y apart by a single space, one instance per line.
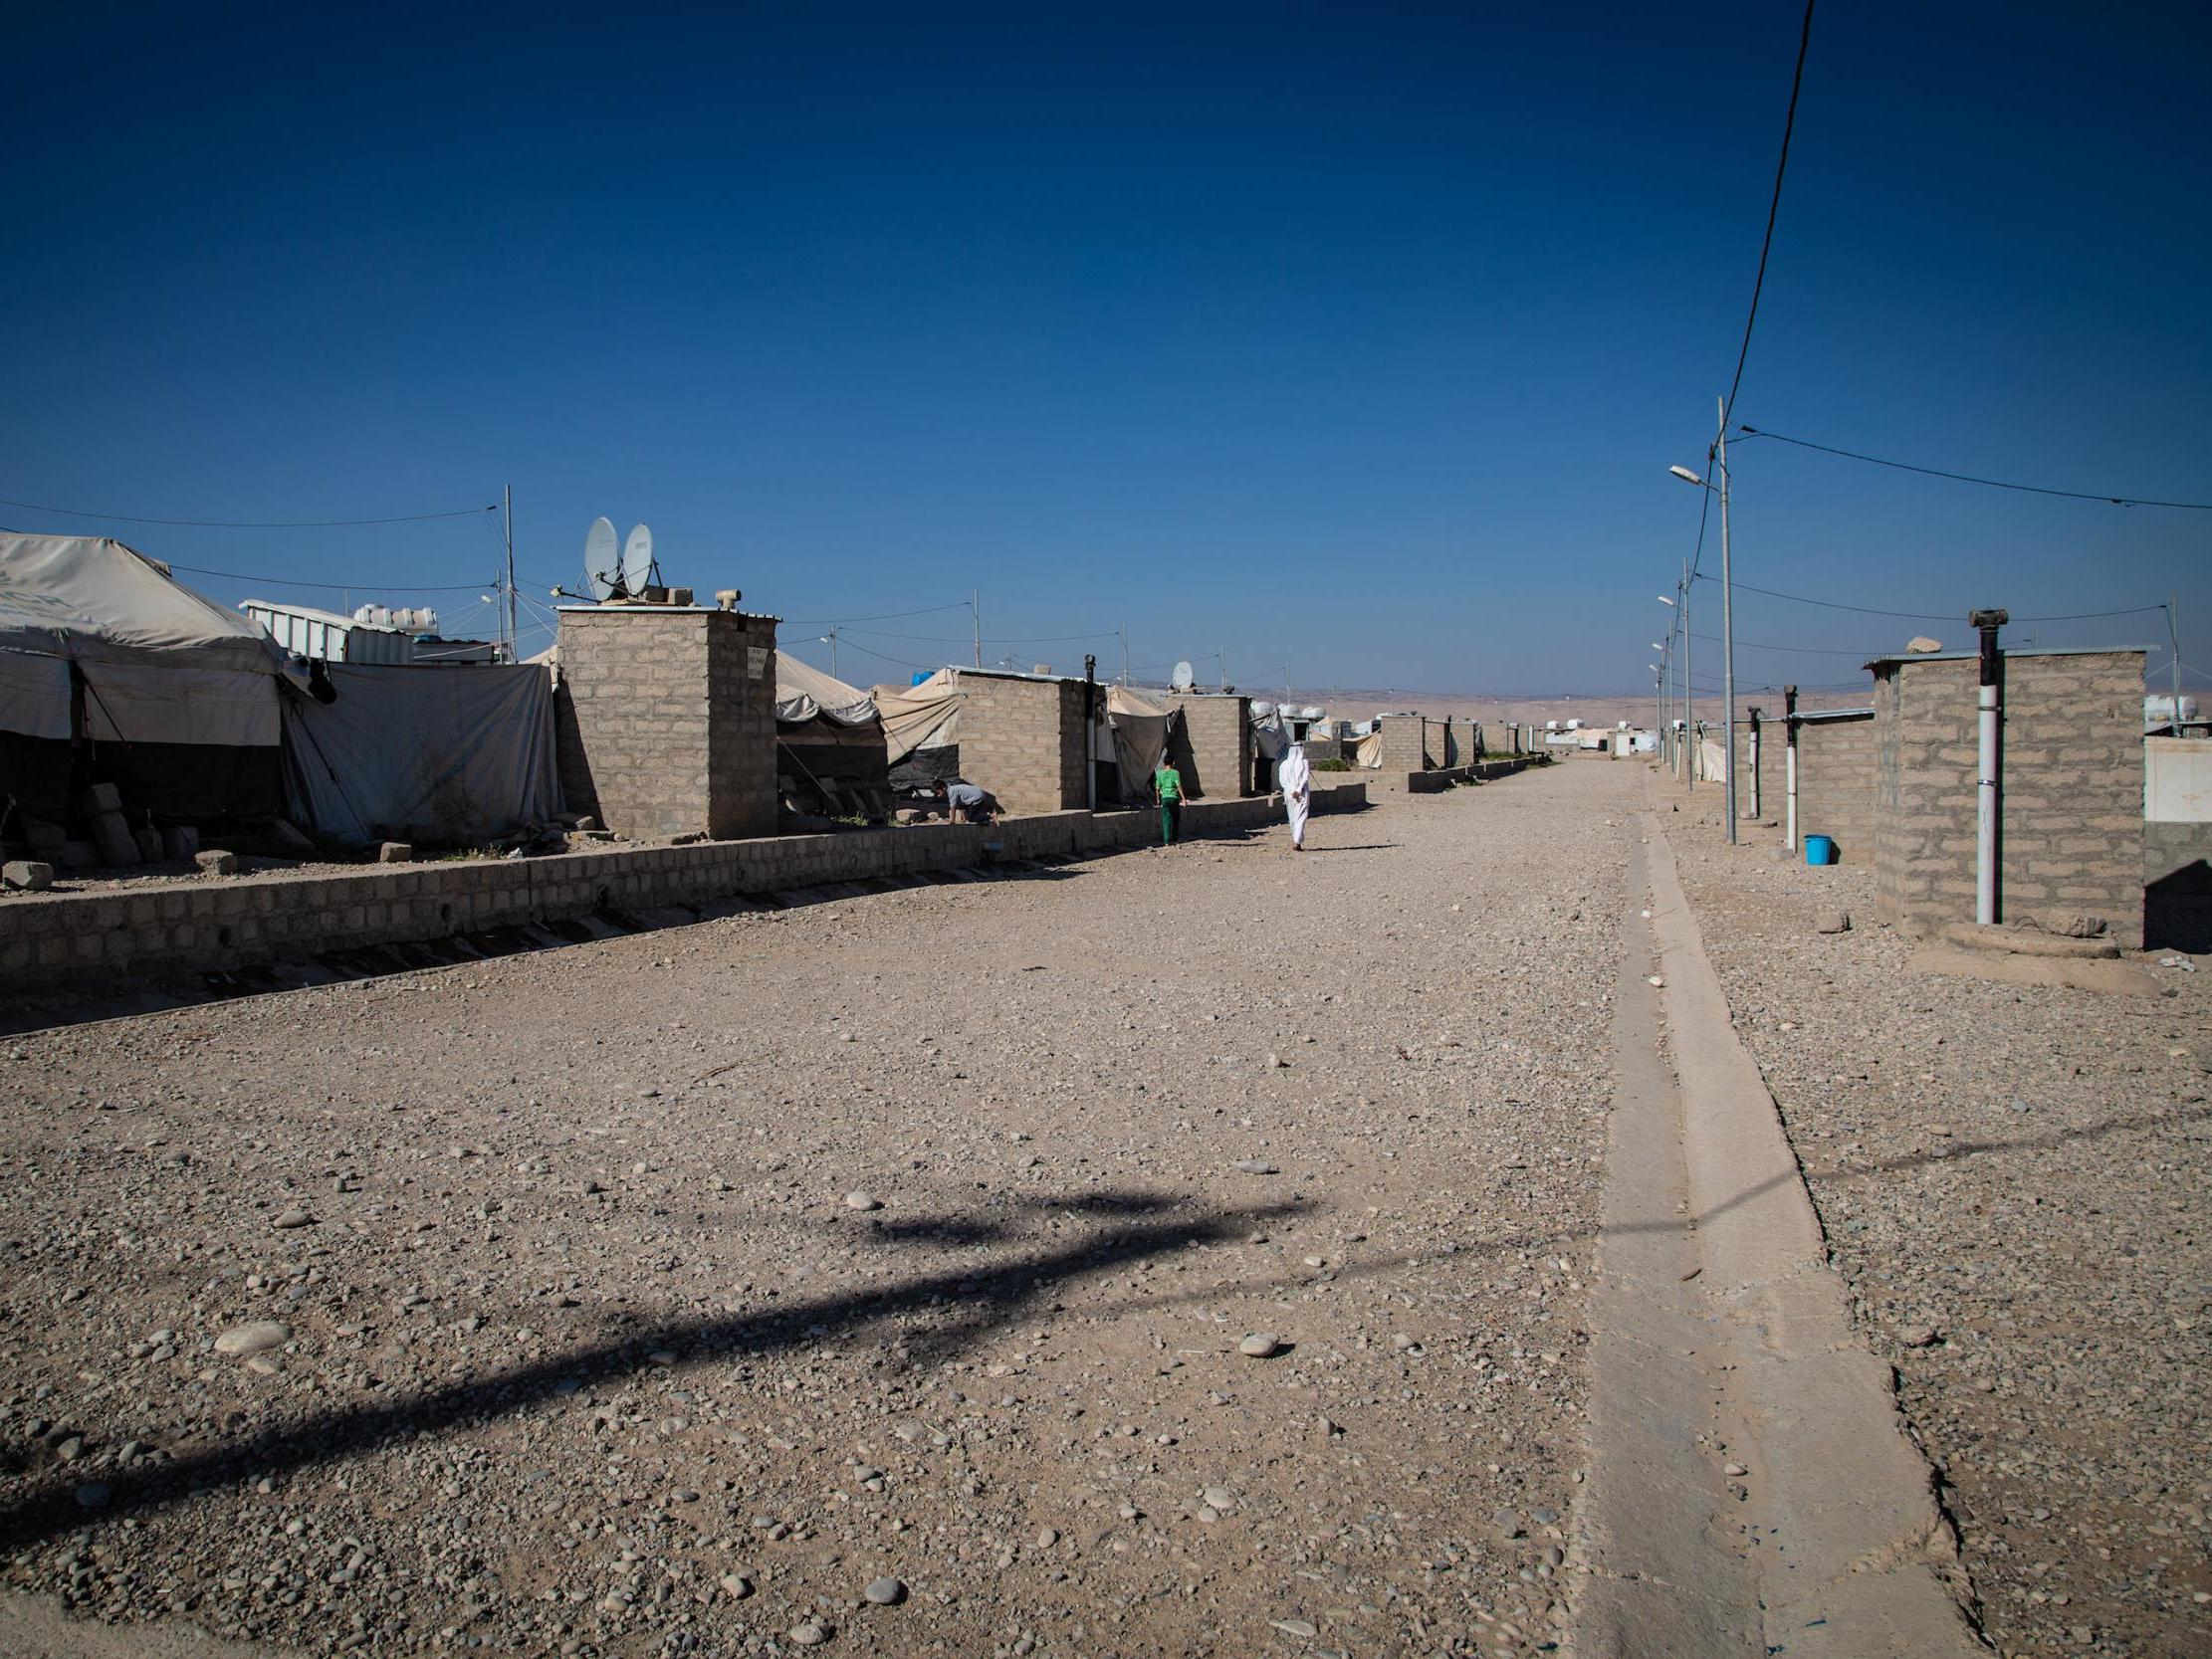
2014 1182
876 1276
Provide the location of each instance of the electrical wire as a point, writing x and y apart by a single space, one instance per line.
332 587
251 524
887 616
1774 207
1927 616
1969 478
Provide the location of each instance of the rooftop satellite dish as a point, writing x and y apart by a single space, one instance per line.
637 562
1183 679
601 568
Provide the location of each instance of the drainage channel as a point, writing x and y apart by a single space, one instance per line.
1752 1490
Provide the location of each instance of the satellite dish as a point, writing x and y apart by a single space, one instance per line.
1183 679
601 570
638 560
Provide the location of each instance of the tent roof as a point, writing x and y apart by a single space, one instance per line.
803 692
94 600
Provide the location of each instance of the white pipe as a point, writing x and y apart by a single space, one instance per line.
1789 774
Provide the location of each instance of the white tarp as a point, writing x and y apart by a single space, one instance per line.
1140 725
919 716
1369 753
134 634
459 754
803 693
1268 733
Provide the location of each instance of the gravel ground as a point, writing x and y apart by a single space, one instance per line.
868 1275
2014 1182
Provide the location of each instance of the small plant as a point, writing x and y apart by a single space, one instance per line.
1332 765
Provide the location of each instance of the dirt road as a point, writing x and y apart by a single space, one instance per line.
664 1296
875 1276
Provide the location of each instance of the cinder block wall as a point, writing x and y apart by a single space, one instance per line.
1835 785
665 719
1220 731
2071 827
1405 744
1023 740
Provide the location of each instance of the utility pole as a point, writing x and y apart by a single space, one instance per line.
513 643
1222 655
1727 632
976 615
2173 638
1125 653
833 651
1689 692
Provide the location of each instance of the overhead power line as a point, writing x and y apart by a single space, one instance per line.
887 616
1774 207
341 587
1968 477
1934 616
248 524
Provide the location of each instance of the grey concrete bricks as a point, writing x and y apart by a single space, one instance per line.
1023 738
1218 757
2071 834
666 719
50 939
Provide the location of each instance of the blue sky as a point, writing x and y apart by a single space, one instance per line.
1354 338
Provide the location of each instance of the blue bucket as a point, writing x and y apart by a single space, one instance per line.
1819 849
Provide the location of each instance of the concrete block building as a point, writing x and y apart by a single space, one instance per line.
1216 750
665 719
2071 771
1025 737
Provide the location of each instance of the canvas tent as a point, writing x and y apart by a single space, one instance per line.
112 672
1140 723
921 730
420 753
830 741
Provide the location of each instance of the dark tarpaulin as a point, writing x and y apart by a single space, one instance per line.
457 755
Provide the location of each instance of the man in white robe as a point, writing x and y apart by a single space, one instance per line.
1295 778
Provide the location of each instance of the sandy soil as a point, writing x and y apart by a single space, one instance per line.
2013 1181
662 1296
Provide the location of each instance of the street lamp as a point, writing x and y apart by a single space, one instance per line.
1728 621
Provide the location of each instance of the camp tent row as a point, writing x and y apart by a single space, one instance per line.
112 672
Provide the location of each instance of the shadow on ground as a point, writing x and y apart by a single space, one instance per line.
986 1297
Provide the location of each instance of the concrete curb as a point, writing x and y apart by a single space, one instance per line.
1834 1546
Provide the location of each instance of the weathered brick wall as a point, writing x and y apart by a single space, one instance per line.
2070 834
1220 732
49 939
1835 786
1405 744
1023 740
665 719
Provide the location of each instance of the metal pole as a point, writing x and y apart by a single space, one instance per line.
833 651
506 496
1091 731
1789 764
976 615
1986 783
1689 689
2173 637
1658 698
1727 635
1125 653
